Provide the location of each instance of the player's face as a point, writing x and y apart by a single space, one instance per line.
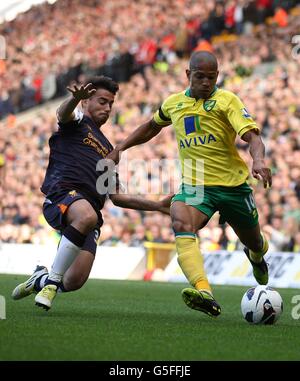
99 106
202 80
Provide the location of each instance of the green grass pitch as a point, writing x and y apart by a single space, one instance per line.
129 320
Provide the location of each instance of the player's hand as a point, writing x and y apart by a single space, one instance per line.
165 203
83 92
115 155
261 172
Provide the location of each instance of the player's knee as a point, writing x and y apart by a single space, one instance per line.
90 219
181 226
82 216
86 221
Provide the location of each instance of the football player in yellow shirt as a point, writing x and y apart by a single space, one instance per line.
206 120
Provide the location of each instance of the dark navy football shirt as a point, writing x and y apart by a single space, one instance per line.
75 149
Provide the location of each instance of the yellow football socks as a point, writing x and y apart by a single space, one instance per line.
257 257
190 260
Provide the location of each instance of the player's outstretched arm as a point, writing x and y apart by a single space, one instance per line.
140 203
65 112
257 150
141 135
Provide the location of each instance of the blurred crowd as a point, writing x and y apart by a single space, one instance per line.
256 62
51 45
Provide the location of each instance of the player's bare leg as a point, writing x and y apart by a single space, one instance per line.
78 273
186 221
256 247
81 219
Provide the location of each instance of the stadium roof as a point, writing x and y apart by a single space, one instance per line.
9 9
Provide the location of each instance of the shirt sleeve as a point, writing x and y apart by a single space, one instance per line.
161 116
239 118
78 116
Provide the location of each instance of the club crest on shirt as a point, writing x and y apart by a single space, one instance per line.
73 193
209 105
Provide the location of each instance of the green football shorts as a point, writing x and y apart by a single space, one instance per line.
235 204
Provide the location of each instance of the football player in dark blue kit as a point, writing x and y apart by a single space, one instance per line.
73 204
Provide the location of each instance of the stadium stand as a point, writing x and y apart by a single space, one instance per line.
51 46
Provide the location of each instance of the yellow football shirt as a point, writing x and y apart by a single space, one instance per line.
205 131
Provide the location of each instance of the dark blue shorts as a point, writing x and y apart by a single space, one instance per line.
54 210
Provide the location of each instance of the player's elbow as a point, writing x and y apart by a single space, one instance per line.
251 136
153 127
62 117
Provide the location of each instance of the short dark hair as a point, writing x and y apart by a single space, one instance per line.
103 82
202 55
